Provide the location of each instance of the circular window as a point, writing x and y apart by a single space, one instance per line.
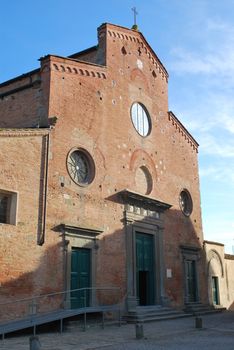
140 119
80 167
186 203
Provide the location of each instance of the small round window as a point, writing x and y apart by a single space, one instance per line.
186 203
80 167
140 119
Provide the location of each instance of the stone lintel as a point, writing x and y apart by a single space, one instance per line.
81 231
142 201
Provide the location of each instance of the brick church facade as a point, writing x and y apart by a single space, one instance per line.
99 182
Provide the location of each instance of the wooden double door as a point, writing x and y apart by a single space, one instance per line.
80 277
191 281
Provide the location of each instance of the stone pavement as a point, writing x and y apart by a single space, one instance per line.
217 334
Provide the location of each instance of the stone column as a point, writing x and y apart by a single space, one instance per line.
132 301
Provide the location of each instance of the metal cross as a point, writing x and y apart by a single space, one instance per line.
135 14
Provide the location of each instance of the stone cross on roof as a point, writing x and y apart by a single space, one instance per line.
135 14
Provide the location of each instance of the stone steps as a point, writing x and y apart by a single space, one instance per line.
197 308
153 313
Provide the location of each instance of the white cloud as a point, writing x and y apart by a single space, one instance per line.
213 58
207 72
204 101
222 236
218 173
214 62
218 147
207 171
219 231
211 121
219 26
228 122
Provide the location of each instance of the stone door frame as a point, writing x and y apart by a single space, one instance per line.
190 253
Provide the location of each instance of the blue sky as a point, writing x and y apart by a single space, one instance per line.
195 41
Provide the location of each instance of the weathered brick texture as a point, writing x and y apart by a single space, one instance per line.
91 95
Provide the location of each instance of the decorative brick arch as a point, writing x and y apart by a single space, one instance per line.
138 75
213 254
142 160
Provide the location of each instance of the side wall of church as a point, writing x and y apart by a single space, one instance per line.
220 267
229 268
26 268
24 101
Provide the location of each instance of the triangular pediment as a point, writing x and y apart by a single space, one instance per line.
122 33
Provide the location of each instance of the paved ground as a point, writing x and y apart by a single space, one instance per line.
217 334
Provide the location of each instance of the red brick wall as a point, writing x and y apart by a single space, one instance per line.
92 104
23 101
26 268
94 113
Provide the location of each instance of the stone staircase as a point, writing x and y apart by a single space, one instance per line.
198 308
153 313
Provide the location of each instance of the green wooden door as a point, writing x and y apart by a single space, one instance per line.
145 261
215 290
80 277
191 281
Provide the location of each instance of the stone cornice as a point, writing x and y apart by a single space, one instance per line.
137 199
20 77
72 66
23 132
90 232
183 131
229 256
213 243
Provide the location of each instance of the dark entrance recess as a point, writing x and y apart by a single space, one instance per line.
80 277
191 280
143 286
215 290
145 268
